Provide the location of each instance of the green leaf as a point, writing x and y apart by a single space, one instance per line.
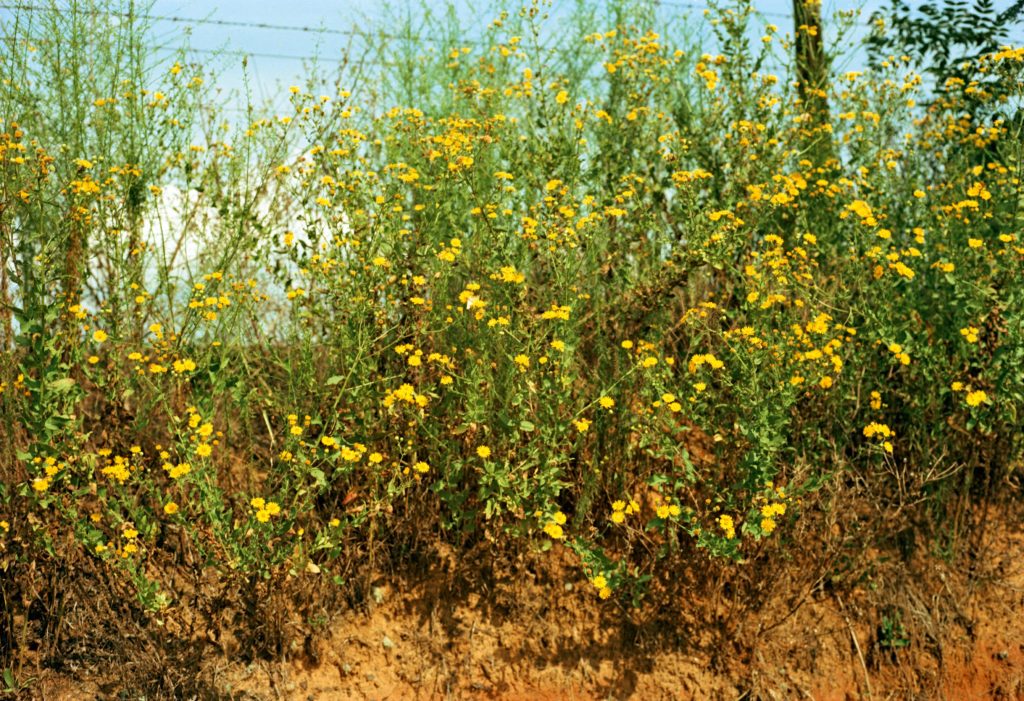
333 380
64 384
691 473
526 426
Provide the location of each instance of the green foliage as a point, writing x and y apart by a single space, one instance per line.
591 294
944 39
892 635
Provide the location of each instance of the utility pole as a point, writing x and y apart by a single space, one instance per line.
812 77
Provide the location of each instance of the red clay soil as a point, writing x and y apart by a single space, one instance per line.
964 641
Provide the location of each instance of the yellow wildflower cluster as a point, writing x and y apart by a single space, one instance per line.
405 393
264 510
50 467
728 526
622 509
120 467
880 432
531 288
553 526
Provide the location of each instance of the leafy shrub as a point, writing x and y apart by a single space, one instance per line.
596 296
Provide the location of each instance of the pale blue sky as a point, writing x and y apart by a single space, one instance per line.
274 61
269 73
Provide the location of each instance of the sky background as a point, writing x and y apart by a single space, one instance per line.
275 53
268 73
270 70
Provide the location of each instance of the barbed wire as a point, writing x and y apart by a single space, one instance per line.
25 7
270 26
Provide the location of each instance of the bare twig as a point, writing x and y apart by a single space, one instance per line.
856 645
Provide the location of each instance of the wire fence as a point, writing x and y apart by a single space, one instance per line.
368 37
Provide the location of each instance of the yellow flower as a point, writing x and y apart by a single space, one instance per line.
183 366
262 516
618 517
421 467
726 523
523 361
170 508
328 441
203 450
99 336
257 502
581 425
41 484
177 471
606 402
874 428
599 581
976 397
663 511
554 530
483 451
970 334
273 508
